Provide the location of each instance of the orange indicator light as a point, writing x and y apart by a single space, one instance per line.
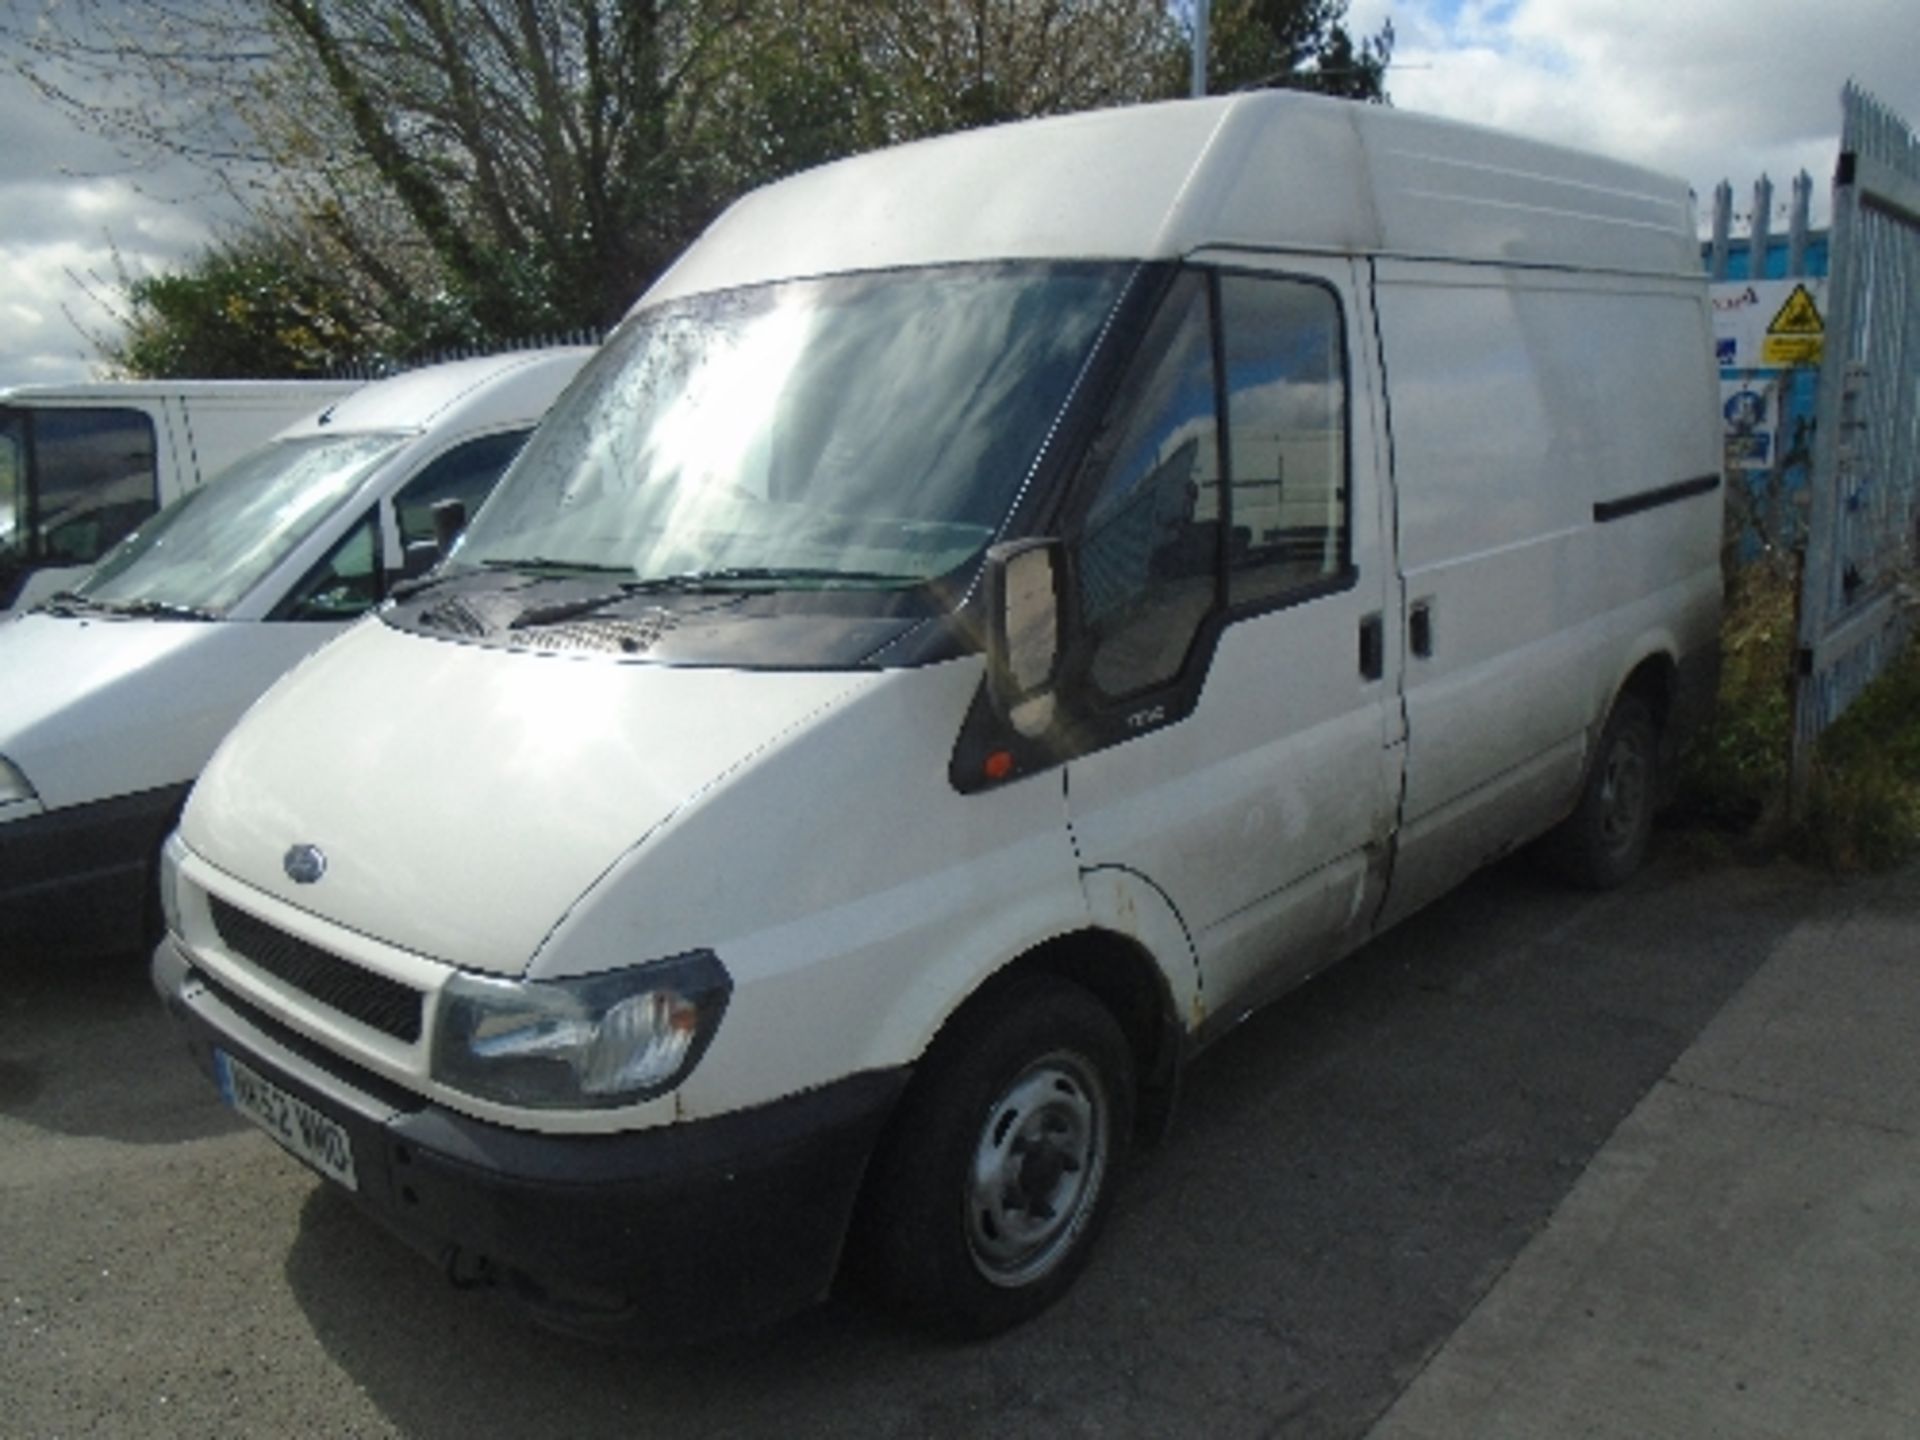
999 765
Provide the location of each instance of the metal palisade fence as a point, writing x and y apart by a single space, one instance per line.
1862 545
381 370
1768 378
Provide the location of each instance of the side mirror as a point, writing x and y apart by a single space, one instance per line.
421 556
449 519
1025 580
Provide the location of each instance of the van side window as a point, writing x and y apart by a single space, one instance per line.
343 585
13 483
94 471
1286 436
1149 544
1158 530
465 473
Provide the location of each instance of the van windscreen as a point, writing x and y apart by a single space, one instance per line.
870 429
212 545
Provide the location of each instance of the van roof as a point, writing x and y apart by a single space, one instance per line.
1265 170
516 386
97 392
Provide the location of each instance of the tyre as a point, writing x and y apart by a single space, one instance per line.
1605 839
983 1204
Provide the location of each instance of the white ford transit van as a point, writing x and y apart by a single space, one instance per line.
998 609
113 694
82 465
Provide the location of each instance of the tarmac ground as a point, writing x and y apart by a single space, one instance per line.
1537 1163
1742 1257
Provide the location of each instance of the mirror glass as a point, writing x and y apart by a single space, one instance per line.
1032 619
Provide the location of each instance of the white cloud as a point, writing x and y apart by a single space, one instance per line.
45 312
74 221
56 278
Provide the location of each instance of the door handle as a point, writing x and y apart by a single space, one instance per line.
1373 647
1420 629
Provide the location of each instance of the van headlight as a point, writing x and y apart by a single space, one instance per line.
170 856
13 784
597 1041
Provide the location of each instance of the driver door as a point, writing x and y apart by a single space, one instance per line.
1234 576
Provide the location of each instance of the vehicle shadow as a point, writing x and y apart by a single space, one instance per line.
1351 1171
87 1049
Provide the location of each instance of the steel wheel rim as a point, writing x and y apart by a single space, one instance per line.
1623 792
1037 1170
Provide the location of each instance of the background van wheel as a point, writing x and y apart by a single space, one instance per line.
1605 839
985 1200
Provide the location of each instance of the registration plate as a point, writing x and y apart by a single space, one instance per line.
303 1130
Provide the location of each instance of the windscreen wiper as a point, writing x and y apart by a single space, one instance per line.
545 568
72 602
68 602
682 582
535 567
155 610
694 582
730 575
401 589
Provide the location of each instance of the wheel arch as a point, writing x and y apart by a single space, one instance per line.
1655 680
1121 973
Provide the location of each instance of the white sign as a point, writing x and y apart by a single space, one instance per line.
1751 411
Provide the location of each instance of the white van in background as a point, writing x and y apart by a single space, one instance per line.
82 465
997 610
113 694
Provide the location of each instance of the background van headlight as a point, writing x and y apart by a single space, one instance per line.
597 1041
170 856
13 784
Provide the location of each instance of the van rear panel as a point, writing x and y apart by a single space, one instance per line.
1558 521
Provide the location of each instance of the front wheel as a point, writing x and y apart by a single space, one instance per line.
1605 839
983 1205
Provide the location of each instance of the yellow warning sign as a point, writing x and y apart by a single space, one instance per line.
1795 334
1799 316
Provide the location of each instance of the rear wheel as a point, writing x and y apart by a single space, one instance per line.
1605 839
983 1206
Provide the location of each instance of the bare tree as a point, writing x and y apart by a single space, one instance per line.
464 170
536 160
1296 45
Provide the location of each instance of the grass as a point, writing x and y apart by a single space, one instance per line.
1862 809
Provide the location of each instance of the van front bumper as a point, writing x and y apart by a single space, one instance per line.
674 1233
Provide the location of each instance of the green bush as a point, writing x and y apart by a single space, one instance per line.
1862 807
1733 778
1863 804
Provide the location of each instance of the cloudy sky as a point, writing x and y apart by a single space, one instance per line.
1706 89
72 213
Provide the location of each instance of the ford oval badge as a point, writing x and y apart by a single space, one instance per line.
304 864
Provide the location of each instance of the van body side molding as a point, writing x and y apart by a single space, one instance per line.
1606 510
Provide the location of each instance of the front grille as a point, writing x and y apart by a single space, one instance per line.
617 634
338 1066
386 1005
